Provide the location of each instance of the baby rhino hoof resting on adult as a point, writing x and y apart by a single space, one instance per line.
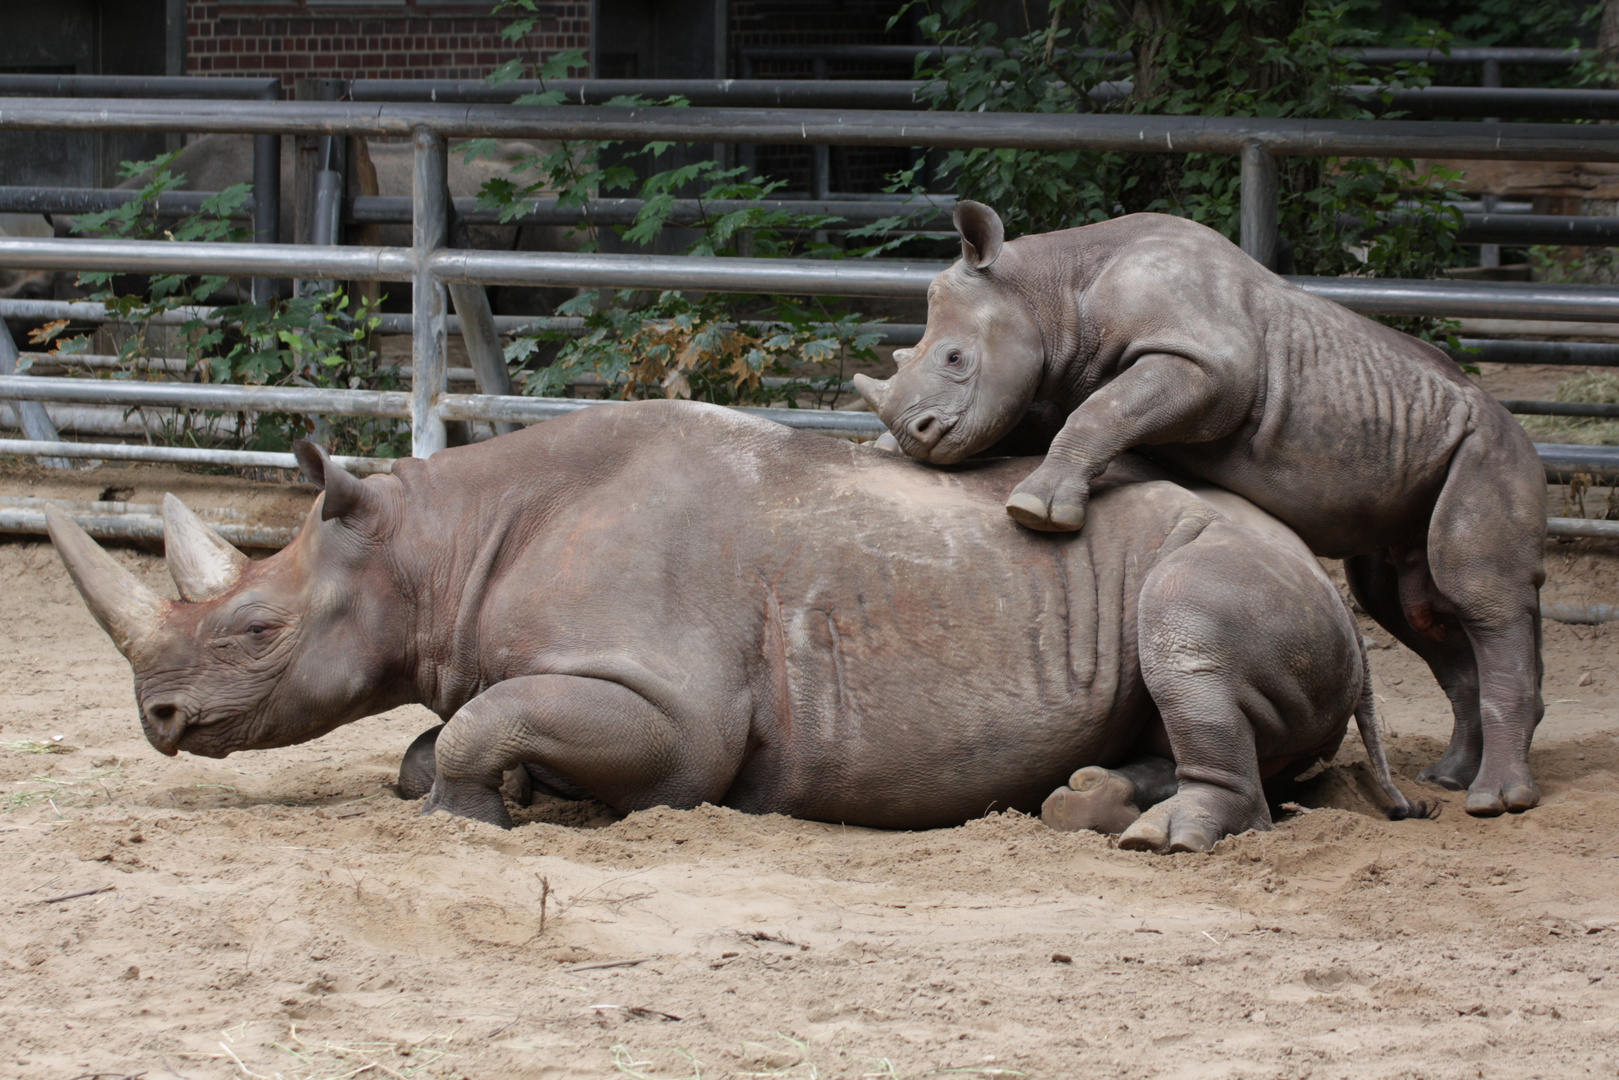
1155 332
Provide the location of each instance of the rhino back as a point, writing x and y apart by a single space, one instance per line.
1347 420
842 625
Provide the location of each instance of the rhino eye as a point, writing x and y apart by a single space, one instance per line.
953 357
258 629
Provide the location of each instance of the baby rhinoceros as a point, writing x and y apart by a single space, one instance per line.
665 603
1155 332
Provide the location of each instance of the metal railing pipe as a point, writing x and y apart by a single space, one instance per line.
1030 131
92 311
1564 353
1588 409
393 209
397 323
528 410
1562 459
1523 230
48 200
127 526
1521 103
156 86
732 93
1500 54
787 276
228 397
195 257
850 277
1467 299
1504 54
181 455
429 305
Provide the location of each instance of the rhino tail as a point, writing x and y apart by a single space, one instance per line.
1371 736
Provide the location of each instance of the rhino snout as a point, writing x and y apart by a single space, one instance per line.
926 428
166 724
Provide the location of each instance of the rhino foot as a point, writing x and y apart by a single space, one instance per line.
469 800
1051 499
1497 792
1195 819
1033 512
1456 770
1094 798
417 767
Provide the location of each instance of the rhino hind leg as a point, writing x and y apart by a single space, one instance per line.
1374 582
1109 800
1221 623
1486 553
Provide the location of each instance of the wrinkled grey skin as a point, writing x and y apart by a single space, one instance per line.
665 603
1157 333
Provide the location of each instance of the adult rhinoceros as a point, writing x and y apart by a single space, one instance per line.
669 603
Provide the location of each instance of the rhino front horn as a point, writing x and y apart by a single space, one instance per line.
127 610
874 391
203 564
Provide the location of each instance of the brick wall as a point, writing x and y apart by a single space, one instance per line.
405 39
789 23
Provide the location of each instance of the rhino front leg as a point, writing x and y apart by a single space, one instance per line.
600 735
417 768
1162 398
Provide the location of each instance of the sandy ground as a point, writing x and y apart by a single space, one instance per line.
284 914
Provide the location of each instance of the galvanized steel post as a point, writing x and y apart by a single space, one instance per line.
1260 176
430 210
478 330
266 196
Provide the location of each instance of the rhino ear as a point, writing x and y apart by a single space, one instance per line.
981 233
345 493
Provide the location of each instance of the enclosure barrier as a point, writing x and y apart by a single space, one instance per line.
436 272
266 208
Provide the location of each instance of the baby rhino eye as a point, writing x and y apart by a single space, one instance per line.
954 357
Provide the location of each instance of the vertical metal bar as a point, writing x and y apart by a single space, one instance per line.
820 156
747 155
478 330
1260 207
1490 254
32 418
266 196
430 219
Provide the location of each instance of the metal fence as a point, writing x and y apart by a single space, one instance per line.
441 277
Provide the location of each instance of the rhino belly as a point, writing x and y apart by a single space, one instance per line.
927 706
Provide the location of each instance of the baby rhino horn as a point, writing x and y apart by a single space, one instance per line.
875 391
203 564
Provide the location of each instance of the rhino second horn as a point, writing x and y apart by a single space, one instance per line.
874 391
203 564
127 610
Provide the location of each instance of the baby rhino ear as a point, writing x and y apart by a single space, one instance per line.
981 233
